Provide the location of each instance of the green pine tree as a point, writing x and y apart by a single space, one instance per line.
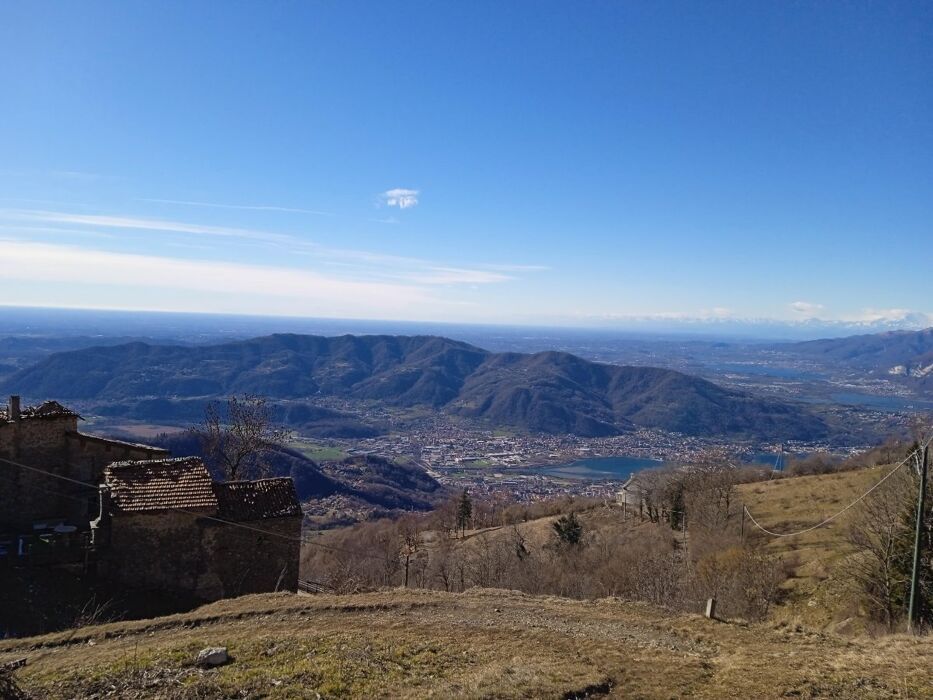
569 529
464 512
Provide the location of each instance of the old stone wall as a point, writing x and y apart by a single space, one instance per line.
89 454
191 554
53 444
41 439
252 562
27 496
161 551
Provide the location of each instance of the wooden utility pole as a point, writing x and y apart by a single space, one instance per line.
743 524
913 609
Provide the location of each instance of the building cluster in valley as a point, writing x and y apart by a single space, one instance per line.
486 461
134 517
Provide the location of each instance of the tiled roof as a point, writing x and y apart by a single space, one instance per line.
160 484
48 409
257 500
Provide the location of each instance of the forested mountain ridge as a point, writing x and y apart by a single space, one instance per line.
880 352
552 392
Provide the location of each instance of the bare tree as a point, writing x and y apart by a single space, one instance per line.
744 581
443 563
410 535
880 533
237 440
710 494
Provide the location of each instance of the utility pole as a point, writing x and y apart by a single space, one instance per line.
743 524
913 609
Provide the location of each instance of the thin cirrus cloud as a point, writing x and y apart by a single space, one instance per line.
129 222
149 278
401 197
360 264
240 207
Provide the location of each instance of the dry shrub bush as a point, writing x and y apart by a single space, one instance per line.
635 560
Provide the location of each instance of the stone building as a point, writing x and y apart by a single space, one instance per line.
46 438
161 524
166 526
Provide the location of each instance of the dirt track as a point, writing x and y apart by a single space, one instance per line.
478 644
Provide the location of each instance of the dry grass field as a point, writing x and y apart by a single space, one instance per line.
482 643
818 594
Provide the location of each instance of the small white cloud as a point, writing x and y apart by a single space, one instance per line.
401 198
806 308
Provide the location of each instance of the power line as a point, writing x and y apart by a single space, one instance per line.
835 515
43 489
301 539
61 477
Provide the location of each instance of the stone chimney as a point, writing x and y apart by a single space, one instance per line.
14 408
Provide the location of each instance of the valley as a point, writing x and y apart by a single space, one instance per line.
488 421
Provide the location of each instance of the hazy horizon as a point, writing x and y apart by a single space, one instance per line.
15 320
648 165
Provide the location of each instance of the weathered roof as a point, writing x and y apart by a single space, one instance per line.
75 435
47 409
257 500
152 485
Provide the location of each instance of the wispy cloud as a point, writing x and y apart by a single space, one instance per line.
55 231
806 308
401 197
242 207
452 275
361 264
285 288
517 268
130 222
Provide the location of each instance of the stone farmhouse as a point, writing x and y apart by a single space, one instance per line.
173 508
135 517
46 437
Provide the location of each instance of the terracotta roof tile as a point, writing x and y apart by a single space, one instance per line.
48 409
160 485
257 500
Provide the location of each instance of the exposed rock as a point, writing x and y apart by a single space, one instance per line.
213 656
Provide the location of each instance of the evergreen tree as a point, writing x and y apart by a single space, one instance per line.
464 512
569 529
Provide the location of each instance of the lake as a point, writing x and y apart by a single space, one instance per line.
621 467
593 468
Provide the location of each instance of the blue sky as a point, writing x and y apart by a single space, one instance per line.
517 162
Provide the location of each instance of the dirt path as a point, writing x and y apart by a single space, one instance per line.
477 644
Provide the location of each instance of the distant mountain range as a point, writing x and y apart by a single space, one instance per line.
550 392
896 353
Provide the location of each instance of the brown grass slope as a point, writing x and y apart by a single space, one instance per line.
819 593
483 643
